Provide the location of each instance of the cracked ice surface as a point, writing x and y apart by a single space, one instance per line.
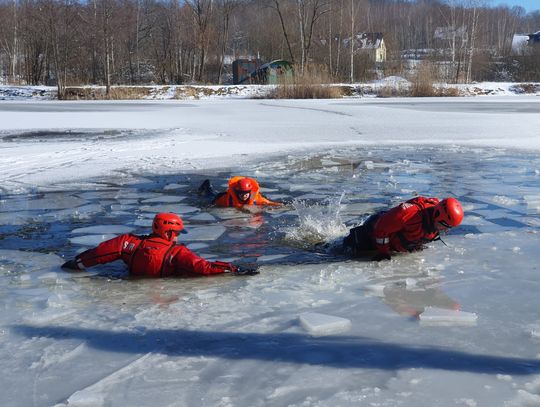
98 338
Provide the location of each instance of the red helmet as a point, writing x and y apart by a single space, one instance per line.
167 225
244 185
448 213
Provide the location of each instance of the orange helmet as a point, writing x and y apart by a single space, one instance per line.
244 185
448 213
243 189
167 225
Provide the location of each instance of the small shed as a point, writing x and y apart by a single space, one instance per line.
271 73
242 68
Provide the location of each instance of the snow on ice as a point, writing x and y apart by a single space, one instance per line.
453 325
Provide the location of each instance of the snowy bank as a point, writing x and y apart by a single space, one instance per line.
391 86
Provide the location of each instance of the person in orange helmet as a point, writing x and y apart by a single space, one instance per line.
155 255
404 228
241 191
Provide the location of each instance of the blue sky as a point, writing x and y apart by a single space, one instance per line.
529 5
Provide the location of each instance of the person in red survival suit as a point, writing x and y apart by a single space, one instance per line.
155 255
404 228
241 191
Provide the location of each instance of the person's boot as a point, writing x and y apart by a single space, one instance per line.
206 188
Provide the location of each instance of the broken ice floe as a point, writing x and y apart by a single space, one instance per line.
271 257
103 229
90 240
204 233
441 316
203 217
145 222
164 199
322 324
196 246
376 290
179 209
169 187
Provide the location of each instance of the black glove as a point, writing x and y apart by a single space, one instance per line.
72 265
246 269
381 256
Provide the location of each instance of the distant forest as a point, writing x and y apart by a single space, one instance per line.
109 42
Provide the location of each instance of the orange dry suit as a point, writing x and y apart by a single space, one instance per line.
151 256
404 228
229 199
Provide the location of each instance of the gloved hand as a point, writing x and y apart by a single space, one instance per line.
381 256
72 265
246 269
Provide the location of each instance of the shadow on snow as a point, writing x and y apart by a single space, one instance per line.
338 352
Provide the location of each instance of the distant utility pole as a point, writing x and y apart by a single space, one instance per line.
15 43
352 41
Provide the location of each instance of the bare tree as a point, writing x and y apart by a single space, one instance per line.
309 13
278 7
202 13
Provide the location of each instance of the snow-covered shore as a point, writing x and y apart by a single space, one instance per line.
388 86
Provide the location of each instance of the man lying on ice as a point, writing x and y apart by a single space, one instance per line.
404 228
156 255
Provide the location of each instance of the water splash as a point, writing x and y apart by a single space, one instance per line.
317 223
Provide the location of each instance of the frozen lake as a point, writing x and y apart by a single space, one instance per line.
397 340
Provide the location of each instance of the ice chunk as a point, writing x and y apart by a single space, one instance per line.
143 222
271 257
253 222
168 187
103 229
230 213
164 199
203 217
203 233
196 246
322 324
441 316
15 219
179 209
375 289
31 260
50 203
81 212
90 240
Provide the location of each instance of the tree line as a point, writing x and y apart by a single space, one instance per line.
74 42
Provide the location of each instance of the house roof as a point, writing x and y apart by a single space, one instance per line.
365 41
535 37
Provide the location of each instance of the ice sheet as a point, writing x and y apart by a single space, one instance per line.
440 316
90 240
322 324
203 233
103 229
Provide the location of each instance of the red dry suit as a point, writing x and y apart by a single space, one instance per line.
151 256
229 199
406 227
